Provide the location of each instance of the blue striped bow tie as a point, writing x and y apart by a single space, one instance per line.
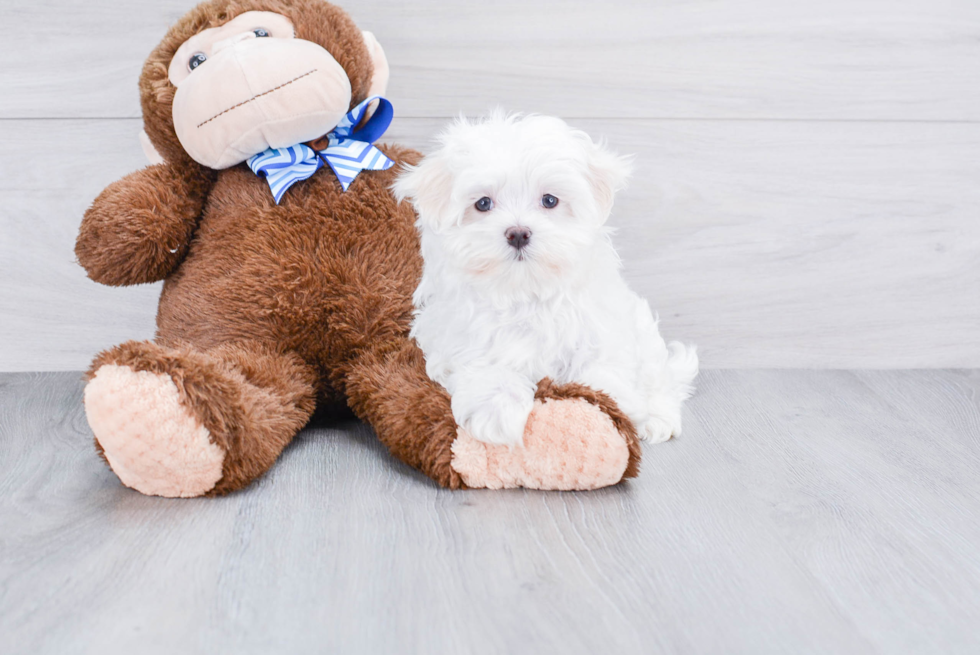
348 152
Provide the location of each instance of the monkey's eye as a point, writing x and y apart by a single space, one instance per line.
548 201
260 32
197 59
484 204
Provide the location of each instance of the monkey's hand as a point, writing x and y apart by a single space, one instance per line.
139 228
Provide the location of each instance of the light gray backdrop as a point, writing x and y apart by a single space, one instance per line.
807 186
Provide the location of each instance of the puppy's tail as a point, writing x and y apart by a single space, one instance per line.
682 363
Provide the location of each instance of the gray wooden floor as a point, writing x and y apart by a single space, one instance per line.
801 512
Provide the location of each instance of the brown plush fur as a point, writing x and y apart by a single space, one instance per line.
148 217
268 309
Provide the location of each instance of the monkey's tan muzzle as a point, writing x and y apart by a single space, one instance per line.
253 94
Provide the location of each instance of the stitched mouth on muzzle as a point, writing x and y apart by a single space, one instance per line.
256 97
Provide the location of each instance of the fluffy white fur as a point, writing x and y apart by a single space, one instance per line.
493 320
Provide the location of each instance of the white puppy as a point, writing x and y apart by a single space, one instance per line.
521 281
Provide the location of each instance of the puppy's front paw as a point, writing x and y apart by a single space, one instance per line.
496 419
656 430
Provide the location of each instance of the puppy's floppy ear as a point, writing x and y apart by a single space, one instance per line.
429 186
608 173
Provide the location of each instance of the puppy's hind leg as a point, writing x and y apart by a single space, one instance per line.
669 388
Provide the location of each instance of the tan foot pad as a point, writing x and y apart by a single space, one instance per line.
568 445
150 439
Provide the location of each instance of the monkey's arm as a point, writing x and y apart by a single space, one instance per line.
138 229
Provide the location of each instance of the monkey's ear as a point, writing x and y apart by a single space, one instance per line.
379 81
149 150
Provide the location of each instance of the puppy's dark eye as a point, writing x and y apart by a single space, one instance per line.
196 60
484 204
548 201
260 32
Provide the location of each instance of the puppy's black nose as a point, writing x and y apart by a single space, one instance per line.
517 237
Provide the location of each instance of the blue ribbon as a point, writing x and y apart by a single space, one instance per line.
348 152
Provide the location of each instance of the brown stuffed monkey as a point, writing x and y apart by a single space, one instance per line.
277 299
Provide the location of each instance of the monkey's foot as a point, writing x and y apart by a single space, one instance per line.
149 438
575 439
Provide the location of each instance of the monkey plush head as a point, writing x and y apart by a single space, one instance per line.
235 77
